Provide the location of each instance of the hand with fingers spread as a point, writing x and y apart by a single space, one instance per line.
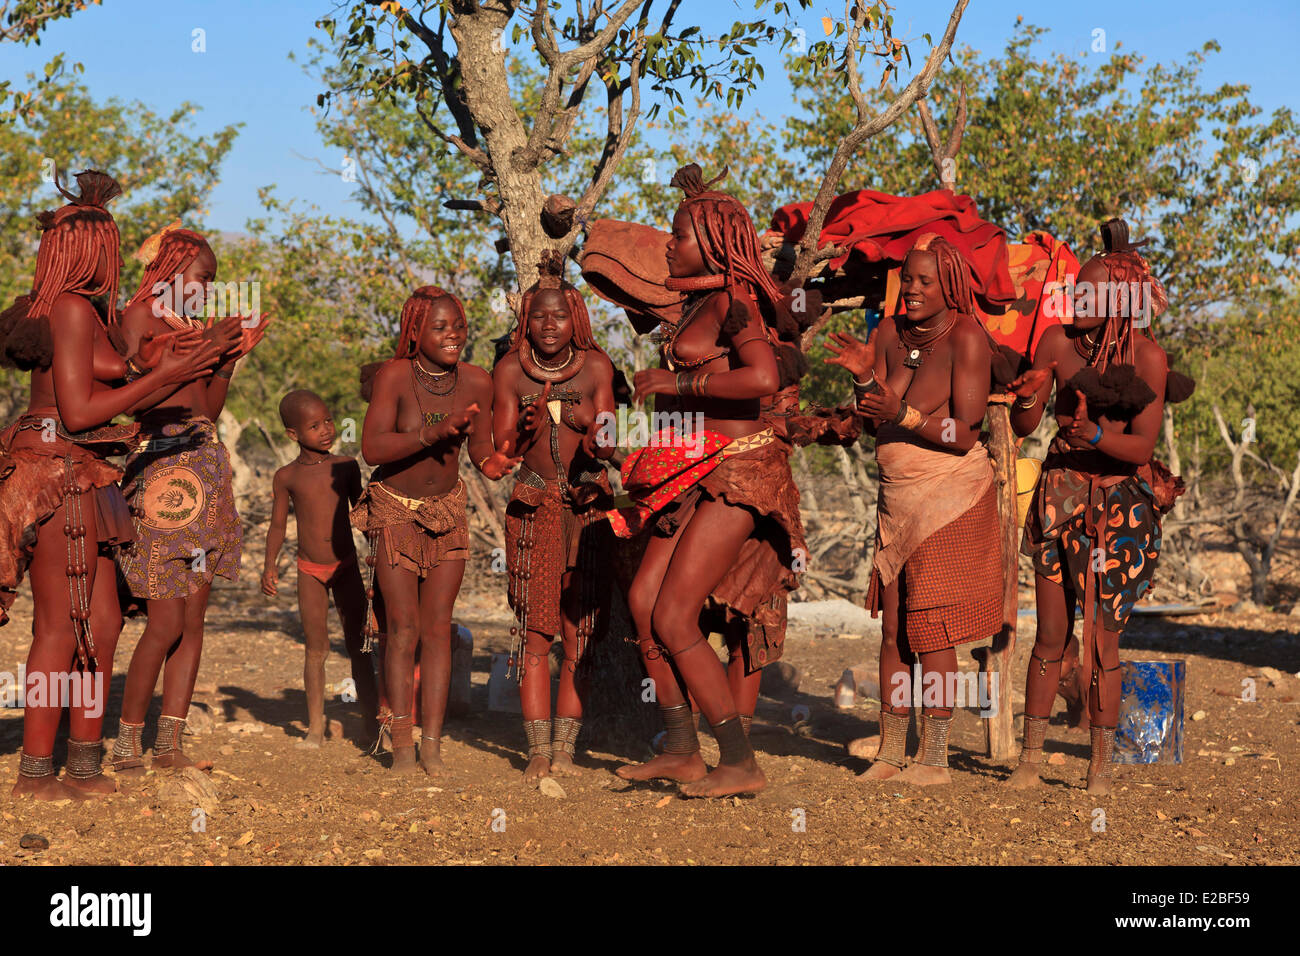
853 354
1028 385
500 463
252 329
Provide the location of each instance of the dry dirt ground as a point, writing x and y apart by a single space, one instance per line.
1232 801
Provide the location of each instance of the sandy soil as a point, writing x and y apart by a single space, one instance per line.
1233 800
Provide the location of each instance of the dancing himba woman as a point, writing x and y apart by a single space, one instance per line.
179 483
549 389
424 405
922 384
61 511
727 529
1093 528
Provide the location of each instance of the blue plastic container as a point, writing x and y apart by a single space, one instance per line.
1150 726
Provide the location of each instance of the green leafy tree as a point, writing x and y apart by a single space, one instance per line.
23 21
167 167
451 56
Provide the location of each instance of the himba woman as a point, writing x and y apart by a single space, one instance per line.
179 484
1093 528
424 405
725 509
549 389
922 384
61 511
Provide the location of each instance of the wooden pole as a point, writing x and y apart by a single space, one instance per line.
995 663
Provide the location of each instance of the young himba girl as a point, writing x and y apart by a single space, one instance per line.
425 403
179 484
550 388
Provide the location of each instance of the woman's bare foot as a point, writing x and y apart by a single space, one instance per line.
684 768
132 767
96 786
173 760
404 759
922 775
562 765
1026 776
431 757
313 741
880 770
45 788
538 767
728 779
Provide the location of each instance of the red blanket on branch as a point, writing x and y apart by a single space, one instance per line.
879 227
877 230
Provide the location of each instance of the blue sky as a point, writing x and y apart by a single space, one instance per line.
141 50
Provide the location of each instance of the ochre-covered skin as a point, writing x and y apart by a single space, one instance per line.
558 543
727 521
59 507
1099 474
425 404
164 567
927 375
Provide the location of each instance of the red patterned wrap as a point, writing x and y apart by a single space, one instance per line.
752 472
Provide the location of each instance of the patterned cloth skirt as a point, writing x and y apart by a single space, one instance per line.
186 526
1104 528
950 587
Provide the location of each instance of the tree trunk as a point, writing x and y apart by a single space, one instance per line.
487 93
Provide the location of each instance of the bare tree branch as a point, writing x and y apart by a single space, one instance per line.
618 135
944 157
866 125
